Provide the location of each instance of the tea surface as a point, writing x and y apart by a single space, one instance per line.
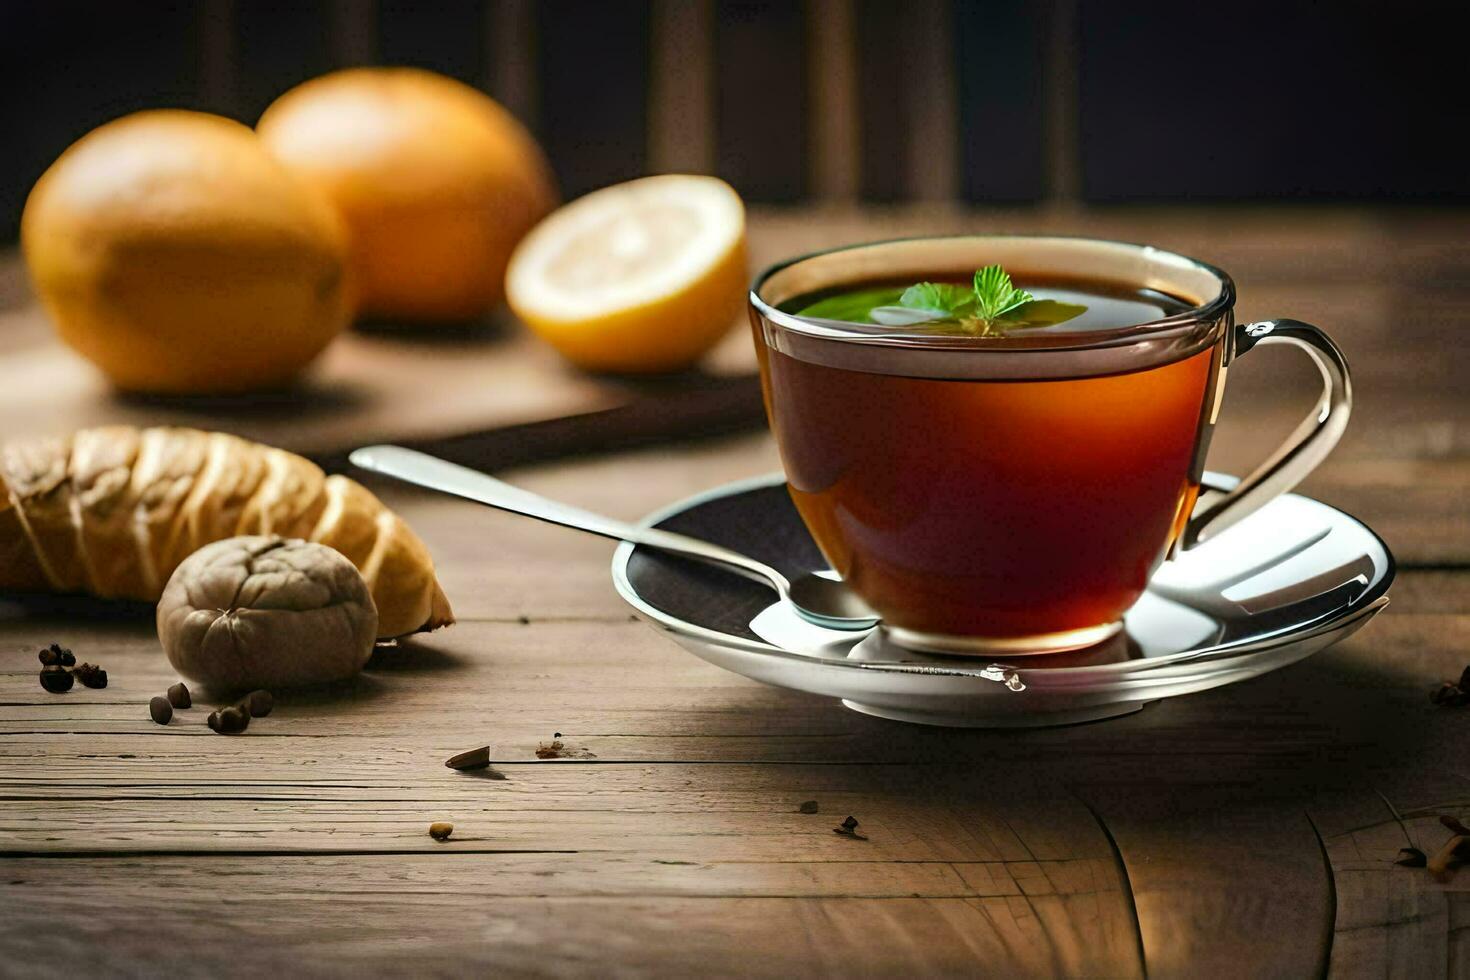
1105 306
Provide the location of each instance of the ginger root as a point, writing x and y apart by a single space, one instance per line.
113 511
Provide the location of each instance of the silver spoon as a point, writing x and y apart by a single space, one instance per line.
819 600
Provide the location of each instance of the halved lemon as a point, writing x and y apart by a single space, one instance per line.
638 277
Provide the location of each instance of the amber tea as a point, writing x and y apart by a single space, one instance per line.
1004 508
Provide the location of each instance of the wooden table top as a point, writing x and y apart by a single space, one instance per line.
1248 830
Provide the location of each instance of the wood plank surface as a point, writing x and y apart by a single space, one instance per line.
1248 830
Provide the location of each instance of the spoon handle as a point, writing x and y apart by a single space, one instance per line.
415 467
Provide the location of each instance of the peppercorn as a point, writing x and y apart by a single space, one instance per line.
90 675
160 710
258 704
56 679
229 721
1449 695
1411 857
178 696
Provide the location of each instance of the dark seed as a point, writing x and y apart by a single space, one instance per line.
160 710
1411 857
90 675
229 721
56 679
178 696
258 704
556 734
473 759
850 823
810 806
1445 858
1449 695
441 830
63 655
48 657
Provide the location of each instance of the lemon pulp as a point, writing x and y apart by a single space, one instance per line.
638 277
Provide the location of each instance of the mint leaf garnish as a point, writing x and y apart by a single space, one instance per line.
923 303
990 306
940 298
906 316
854 307
995 294
999 305
1041 313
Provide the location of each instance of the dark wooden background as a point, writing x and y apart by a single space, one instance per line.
877 100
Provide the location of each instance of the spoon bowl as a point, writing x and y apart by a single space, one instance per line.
828 602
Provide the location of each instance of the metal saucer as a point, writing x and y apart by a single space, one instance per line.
1291 579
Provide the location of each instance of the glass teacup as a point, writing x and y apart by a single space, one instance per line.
1013 494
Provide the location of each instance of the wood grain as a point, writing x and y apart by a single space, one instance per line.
447 929
1391 920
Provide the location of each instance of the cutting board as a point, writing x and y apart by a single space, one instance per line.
488 394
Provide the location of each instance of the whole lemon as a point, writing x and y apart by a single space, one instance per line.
437 184
178 256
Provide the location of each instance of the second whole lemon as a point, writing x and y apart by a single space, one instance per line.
436 181
174 253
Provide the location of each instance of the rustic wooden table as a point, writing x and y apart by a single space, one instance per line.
1251 830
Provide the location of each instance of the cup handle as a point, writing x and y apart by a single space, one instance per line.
1302 450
